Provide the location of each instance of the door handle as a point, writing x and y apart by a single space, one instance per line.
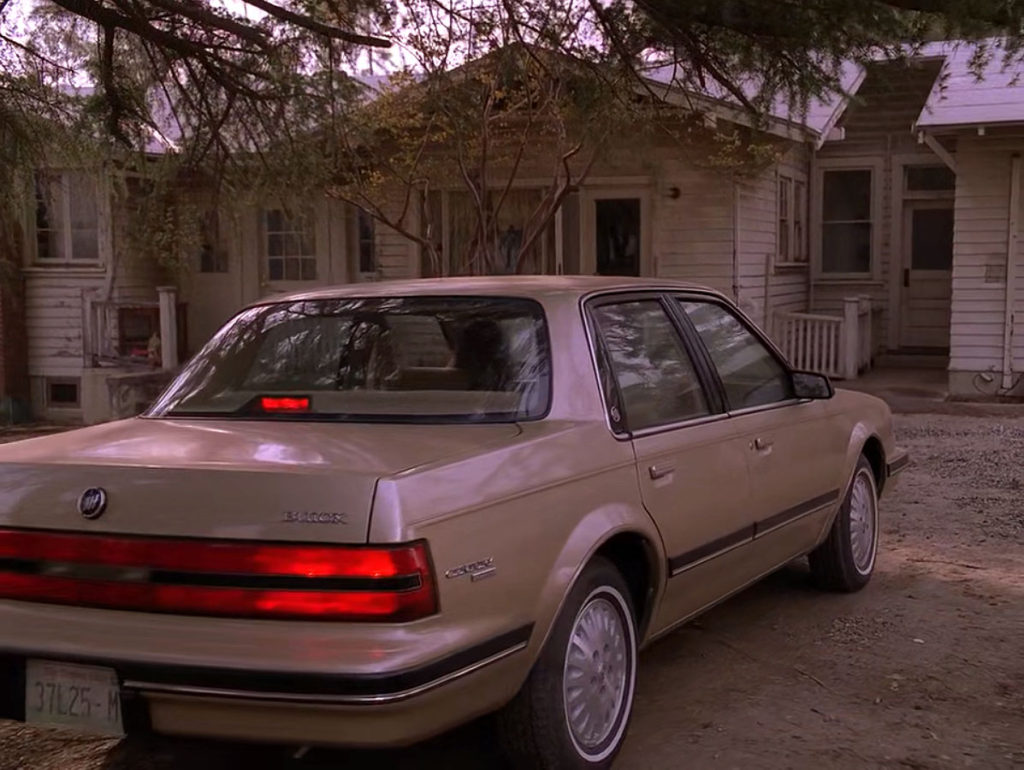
661 471
761 444
906 277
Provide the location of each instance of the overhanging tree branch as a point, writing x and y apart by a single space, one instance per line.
283 14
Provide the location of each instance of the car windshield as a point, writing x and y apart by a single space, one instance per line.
419 359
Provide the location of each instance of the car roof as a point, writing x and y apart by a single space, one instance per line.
527 286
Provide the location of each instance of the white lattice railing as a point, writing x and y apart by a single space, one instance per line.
840 346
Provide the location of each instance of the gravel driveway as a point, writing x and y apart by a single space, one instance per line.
923 669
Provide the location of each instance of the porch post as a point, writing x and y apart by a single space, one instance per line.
851 341
168 326
1011 270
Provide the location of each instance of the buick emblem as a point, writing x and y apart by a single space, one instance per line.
93 502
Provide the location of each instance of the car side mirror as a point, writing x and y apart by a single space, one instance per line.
812 385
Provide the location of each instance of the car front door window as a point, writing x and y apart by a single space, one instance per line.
652 369
751 375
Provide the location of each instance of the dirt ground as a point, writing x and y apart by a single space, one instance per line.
923 669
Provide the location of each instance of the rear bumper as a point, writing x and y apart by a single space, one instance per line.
383 708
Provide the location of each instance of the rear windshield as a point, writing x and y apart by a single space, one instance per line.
421 359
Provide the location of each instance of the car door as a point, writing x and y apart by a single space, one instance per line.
792 448
691 465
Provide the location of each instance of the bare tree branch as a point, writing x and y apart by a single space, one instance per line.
312 25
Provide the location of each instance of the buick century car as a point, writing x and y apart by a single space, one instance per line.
362 516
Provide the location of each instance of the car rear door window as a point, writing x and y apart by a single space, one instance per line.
651 367
750 373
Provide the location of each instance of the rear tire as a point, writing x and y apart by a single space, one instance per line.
574 709
846 560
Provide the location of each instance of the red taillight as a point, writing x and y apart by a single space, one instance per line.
393 583
284 403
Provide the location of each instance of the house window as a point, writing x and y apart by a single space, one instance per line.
213 258
452 223
290 246
67 218
846 221
792 226
365 246
62 392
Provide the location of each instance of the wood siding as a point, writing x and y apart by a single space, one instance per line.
980 257
786 287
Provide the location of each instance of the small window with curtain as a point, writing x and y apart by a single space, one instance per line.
290 245
847 229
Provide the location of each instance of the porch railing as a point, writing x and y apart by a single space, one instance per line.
811 341
840 346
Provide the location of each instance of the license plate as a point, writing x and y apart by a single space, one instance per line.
84 698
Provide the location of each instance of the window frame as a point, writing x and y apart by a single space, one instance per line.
310 215
65 232
708 379
360 215
876 166
745 322
49 382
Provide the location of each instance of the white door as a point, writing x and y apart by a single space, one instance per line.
927 274
615 231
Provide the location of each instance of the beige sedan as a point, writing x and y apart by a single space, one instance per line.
362 516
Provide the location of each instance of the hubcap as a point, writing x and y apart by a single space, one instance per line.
863 522
598 671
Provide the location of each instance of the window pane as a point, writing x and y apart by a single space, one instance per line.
847 196
308 269
49 245
784 239
276 269
364 222
932 239
291 269
292 244
799 246
362 359
49 216
652 368
930 178
82 200
750 374
618 233
84 245
846 248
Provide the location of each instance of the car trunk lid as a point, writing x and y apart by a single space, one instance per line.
247 480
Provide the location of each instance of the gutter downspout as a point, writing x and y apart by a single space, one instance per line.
1011 271
735 241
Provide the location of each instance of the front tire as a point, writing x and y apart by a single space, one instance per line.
846 560
574 709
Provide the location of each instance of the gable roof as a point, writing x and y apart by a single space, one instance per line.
963 98
819 117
